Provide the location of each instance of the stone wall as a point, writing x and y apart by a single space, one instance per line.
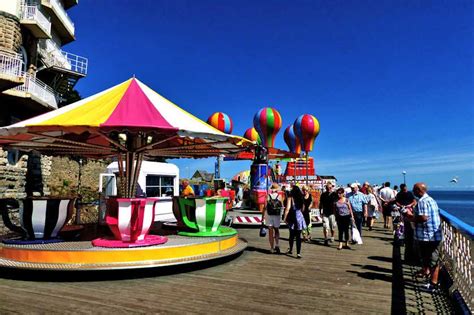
10 33
64 177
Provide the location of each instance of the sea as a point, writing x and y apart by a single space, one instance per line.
458 203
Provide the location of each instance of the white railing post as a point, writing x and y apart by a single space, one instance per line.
38 89
56 57
31 12
11 65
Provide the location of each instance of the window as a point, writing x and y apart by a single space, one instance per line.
159 186
13 156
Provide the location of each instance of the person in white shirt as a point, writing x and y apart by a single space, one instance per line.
387 196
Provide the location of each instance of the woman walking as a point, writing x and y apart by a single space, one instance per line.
273 217
343 212
373 207
294 218
307 202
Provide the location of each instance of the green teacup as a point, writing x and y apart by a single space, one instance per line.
203 216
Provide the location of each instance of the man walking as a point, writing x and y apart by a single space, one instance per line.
428 234
359 203
326 207
387 196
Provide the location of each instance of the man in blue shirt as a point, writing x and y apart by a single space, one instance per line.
359 203
427 233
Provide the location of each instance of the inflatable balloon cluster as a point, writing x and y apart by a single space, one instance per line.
221 121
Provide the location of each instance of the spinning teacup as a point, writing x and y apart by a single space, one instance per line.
130 219
40 217
203 216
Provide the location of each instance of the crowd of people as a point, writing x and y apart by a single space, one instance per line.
414 215
414 211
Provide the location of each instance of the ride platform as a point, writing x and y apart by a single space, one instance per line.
82 255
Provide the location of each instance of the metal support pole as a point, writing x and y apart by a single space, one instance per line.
306 168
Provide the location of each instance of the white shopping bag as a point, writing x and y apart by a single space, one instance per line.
356 235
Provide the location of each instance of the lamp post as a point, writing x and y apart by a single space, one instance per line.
404 177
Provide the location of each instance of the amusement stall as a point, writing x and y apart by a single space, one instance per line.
129 123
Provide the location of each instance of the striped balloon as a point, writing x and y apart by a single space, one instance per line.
292 140
252 135
221 121
306 128
267 122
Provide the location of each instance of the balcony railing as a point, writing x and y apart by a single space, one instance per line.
457 256
54 56
38 89
11 64
33 13
63 16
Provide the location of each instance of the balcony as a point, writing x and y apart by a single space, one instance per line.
54 58
62 23
33 93
11 67
34 20
70 3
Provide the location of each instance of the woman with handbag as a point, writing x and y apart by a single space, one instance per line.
294 219
343 212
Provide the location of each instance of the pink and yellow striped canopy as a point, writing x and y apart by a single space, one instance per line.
100 125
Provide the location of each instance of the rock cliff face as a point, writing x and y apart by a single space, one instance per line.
34 175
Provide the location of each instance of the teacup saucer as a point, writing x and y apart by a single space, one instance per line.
222 231
150 240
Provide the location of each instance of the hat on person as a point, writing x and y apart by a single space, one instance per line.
275 186
354 185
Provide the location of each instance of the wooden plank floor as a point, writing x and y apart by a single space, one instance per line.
324 281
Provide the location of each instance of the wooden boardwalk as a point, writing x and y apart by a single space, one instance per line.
368 279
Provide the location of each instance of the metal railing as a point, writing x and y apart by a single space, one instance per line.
38 89
33 13
63 16
456 256
11 64
54 56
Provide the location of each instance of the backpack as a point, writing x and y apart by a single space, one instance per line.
274 206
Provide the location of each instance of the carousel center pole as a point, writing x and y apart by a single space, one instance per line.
133 162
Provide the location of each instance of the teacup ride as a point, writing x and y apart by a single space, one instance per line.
113 123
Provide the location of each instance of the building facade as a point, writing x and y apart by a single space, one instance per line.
36 75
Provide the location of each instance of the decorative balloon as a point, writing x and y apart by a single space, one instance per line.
221 121
306 128
291 140
252 135
267 122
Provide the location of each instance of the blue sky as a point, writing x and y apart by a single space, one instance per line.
391 82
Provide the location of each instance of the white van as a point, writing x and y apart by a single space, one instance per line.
156 179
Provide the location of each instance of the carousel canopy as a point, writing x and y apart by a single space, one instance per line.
129 117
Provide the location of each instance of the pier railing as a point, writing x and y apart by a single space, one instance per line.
456 256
